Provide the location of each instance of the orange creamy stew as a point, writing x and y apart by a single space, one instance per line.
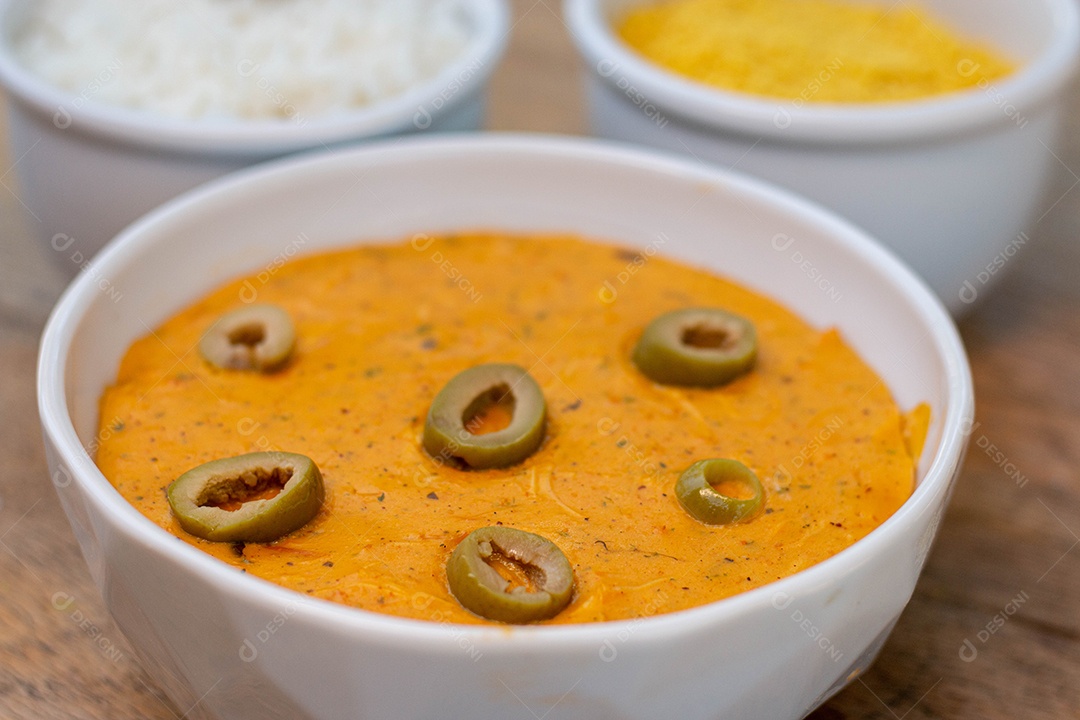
380 329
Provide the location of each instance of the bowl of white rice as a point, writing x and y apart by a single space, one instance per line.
115 106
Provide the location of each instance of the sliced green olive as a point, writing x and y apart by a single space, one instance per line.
488 416
701 347
509 575
258 497
255 337
720 492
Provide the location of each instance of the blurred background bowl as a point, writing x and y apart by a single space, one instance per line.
227 645
954 183
87 169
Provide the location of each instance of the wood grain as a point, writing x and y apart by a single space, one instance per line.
1011 535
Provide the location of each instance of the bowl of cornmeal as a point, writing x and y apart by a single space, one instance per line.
933 125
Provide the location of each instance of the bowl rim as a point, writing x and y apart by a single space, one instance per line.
1034 83
464 77
72 307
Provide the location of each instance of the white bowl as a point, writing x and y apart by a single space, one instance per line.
234 646
954 184
87 169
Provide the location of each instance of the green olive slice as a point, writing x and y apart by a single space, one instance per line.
702 347
720 492
488 416
510 575
258 497
256 337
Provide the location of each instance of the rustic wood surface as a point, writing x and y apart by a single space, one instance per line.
1004 575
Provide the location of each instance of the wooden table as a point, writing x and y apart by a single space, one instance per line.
993 630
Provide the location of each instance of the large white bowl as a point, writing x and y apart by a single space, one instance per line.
954 184
233 646
87 169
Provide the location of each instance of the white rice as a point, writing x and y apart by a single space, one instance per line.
251 59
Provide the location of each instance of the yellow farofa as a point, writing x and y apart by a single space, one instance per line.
381 329
820 51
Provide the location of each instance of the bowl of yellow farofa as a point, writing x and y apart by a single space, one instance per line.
933 125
